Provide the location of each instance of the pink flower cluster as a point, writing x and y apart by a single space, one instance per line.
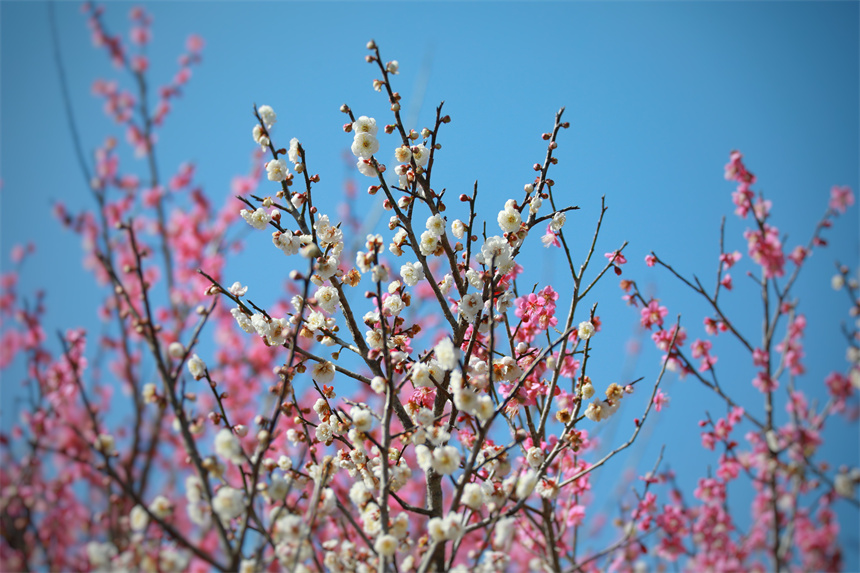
536 312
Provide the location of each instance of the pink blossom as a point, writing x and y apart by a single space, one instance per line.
653 314
660 400
798 255
194 44
765 249
729 259
764 383
662 338
841 198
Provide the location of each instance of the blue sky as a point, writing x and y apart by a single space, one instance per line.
657 94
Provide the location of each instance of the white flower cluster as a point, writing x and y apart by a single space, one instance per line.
196 367
365 144
276 170
228 503
412 273
258 219
295 156
600 410
268 115
448 528
467 400
227 446
404 155
430 243
275 331
497 251
329 236
510 219
290 243
199 511
327 298
443 459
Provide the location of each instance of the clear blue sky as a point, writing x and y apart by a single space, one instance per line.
657 95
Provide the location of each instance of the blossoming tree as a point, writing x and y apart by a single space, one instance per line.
413 403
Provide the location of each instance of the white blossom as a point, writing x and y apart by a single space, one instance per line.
258 219
526 484
412 273
585 330
327 298
421 155
161 507
473 496
362 419
196 367
138 519
446 354
260 137
504 302
324 433
436 225
268 115
279 330
421 376
293 152
446 284
535 457
402 154
289 243
323 372
379 274
587 390
475 278
437 530
374 338
366 168
509 220
316 321
557 222
238 290
365 124
359 494
596 411
386 545
228 503
469 306
276 169
149 393
377 384
227 446
446 459
393 304
176 350
497 251
547 488
504 531
454 526
465 400
458 229
429 243
485 408
424 457
100 554
364 145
